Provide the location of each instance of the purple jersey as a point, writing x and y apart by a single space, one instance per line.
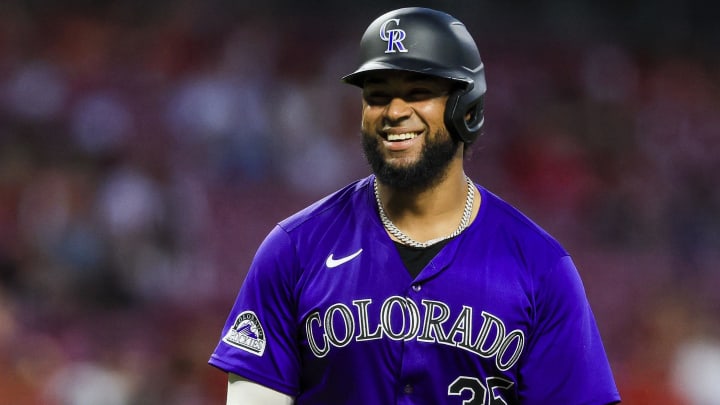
329 315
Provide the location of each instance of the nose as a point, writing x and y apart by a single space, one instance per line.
397 109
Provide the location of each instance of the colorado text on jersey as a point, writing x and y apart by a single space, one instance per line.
401 319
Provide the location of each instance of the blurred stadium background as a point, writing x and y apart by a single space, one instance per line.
146 148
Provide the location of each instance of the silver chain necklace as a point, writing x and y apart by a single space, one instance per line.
406 240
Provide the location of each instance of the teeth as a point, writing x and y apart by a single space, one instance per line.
401 137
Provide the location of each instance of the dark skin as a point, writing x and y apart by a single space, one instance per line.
403 112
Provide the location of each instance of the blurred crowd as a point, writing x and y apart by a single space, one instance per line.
146 151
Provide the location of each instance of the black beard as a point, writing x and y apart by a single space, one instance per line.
425 173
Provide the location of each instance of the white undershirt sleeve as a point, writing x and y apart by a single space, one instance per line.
242 391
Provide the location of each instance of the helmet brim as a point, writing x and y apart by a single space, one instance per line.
357 78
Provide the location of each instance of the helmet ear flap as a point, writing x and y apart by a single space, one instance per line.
464 116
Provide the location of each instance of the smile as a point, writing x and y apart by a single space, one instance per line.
402 137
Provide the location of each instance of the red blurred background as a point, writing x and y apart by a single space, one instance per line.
146 148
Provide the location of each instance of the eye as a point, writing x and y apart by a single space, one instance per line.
420 94
376 97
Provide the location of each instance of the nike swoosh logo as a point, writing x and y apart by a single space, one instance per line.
332 262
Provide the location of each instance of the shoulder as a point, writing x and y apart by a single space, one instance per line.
505 219
353 196
306 235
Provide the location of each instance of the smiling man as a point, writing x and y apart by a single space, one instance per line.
414 285
404 134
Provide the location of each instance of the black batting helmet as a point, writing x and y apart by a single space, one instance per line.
434 43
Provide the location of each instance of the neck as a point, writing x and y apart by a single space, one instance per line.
428 214
446 195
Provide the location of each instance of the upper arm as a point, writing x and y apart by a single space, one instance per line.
259 338
565 360
243 391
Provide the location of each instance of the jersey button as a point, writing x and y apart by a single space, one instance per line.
408 389
416 287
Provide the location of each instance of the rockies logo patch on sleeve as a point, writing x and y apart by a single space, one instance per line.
246 334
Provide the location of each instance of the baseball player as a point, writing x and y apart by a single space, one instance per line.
414 285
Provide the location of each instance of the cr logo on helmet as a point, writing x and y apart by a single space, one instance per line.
393 37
